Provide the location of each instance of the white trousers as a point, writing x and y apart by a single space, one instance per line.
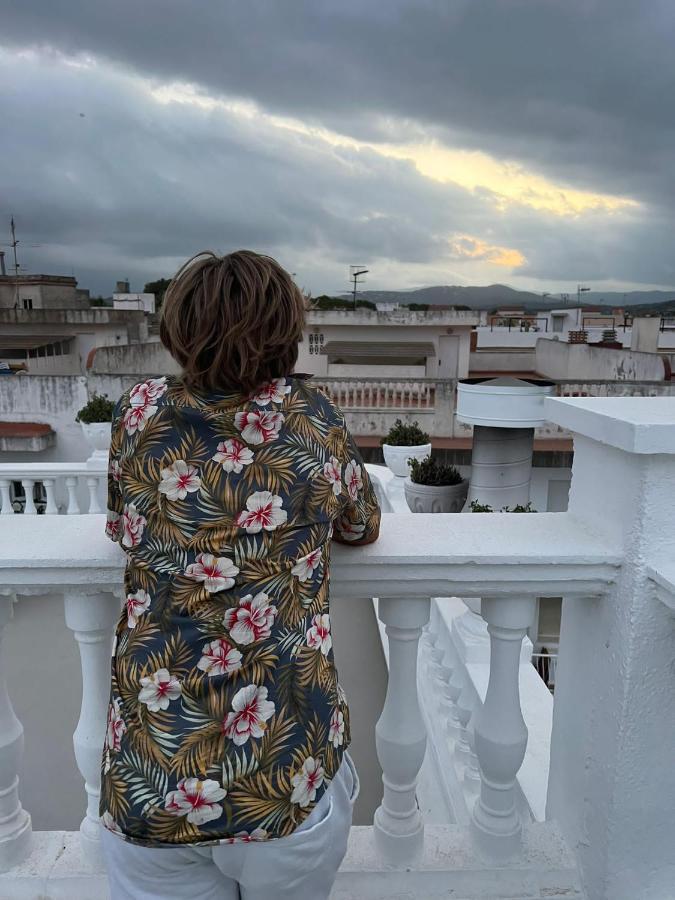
301 866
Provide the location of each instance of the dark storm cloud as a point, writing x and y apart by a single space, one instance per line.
582 88
579 91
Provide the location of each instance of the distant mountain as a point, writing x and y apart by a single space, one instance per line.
495 295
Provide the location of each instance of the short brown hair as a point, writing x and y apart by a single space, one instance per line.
232 321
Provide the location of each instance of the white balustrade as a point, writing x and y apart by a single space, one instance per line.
15 824
400 734
599 556
71 488
91 617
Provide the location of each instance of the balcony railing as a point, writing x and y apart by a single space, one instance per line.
51 488
460 700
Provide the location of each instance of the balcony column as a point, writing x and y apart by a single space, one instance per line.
400 734
91 616
15 824
500 733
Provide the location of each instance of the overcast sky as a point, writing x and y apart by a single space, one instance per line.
528 142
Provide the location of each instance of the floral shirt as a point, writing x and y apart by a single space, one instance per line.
226 720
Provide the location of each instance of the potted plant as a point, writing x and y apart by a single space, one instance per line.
433 487
95 418
402 443
477 507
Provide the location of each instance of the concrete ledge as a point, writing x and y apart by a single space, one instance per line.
450 868
633 424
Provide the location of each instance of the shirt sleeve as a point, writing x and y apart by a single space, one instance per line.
358 522
115 506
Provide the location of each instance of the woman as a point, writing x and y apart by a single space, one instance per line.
225 771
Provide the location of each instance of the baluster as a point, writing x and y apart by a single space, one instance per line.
7 509
51 507
91 618
15 824
500 731
92 484
400 734
29 501
73 505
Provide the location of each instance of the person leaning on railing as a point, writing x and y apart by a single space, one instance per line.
225 771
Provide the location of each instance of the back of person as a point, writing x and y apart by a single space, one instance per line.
226 722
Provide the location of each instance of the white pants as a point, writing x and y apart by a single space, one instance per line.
301 866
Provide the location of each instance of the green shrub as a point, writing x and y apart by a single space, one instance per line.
97 409
401 435
430 472
485 507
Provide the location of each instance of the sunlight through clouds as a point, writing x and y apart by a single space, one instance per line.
510 183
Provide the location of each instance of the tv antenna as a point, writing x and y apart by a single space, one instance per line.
355 273
581 290
13 244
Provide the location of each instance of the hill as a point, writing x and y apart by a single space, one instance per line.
495 295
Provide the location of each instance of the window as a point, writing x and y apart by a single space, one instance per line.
27 302
315 344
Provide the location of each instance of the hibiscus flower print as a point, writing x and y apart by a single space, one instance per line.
233 455
142 399
115 470
336 732
159 689
318 635
136 603
307 781
116 727
350 531
250 710
217 573
305 567
219 657
113 525
333 472
274 392
243 837
133 523
178 480
259 427
353 479
251 620
196 799
263 510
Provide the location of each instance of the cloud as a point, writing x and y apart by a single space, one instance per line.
436 141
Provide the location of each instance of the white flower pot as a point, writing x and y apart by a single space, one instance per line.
426 498
97 435
397 457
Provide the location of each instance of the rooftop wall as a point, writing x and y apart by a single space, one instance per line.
560 360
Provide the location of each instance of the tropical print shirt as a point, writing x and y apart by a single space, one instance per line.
226 721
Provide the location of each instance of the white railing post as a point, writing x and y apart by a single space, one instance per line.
51 507
500 733
15 824
5 498
71 486
29 501
92 485
400 734
91 617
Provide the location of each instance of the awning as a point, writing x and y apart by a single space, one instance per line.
31 436
352 349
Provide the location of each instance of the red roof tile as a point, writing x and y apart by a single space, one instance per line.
24 429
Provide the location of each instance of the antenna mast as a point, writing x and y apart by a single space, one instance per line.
355 273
